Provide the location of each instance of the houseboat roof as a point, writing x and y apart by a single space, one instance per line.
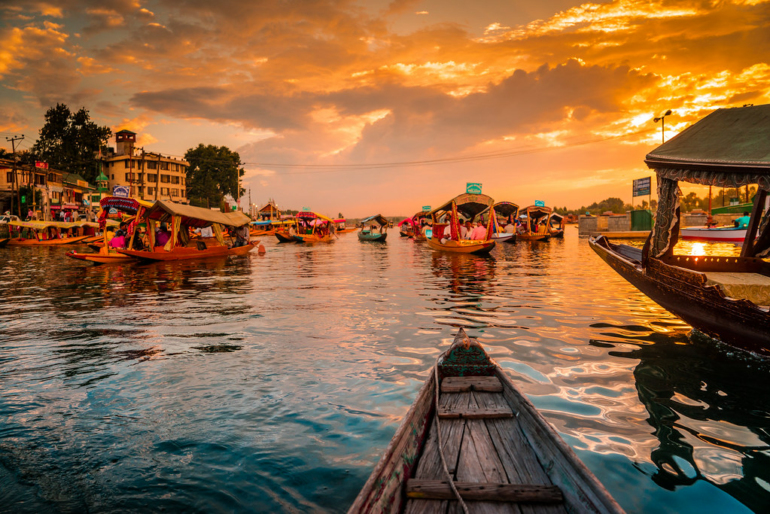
727 141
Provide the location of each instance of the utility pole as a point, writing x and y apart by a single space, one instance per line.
15 177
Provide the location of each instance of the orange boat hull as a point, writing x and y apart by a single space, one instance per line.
101 258
464 246
533 237
312 238
17 241
262 232
188 253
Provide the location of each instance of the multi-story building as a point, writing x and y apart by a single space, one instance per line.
48 181
150 176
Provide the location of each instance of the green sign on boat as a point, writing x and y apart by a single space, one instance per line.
426 208
539 203
473 188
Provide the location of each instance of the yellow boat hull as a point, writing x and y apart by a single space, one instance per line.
17 241
463 246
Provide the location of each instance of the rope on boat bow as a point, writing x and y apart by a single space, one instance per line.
441 446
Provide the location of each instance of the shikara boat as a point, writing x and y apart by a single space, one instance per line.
4 242
499 452
406 227
556 225
341 226
727 298
286 231
104 253
446 224
505 214
45 233
420 226
262 228
181 218
534 224
374 228
313 228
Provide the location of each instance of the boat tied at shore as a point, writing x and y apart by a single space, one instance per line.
472 440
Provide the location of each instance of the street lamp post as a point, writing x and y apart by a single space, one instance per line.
662 120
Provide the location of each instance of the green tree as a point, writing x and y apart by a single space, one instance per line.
213 173
71 141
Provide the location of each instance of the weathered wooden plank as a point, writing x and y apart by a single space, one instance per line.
518 458
582 491
479 463
501 492
475 413
465 384
429 465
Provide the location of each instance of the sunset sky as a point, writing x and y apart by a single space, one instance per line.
550 100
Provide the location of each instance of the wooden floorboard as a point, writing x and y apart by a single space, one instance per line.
466 384
429 465
479 463
517 456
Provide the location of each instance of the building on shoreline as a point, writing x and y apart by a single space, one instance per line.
148 175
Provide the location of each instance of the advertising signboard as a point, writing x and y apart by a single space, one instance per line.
473 188
642 186
121 191
539 203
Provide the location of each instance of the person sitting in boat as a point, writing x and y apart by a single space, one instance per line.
162 235
743 221
510 228
207 232
242 236
292 232
479 232
465 230
119 241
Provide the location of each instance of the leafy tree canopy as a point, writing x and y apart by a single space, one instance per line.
213 173
71 141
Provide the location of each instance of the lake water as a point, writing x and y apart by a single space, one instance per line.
273 383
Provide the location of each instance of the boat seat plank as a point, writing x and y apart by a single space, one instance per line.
500 492
464 384
429 466
479 463
476 413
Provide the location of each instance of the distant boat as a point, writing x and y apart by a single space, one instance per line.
378 234
500 452
181 218
505 212
45 233
535 224
313 228
556 225
714 234
446 225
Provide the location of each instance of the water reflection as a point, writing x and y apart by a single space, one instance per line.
274 383
711 422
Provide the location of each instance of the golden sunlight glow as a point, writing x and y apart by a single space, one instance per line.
698 249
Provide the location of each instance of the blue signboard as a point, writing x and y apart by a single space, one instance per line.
539 203
473 188
642 186
426 208
121 191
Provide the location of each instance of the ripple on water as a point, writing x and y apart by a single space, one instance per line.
273 383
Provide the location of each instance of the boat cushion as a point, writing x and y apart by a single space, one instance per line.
746 286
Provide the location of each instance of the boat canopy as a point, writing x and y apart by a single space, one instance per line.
727 148
466 204
558 218
340 220
197 217
379 218
309 215
127 205
536 212
506 209
406 220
